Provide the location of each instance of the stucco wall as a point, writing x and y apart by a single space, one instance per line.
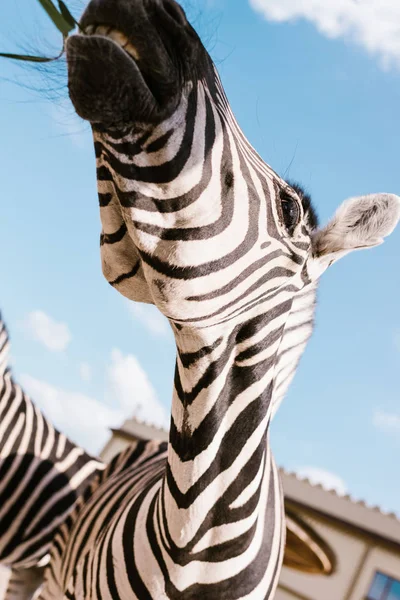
284 595
3 581
378 559
114 445
349 551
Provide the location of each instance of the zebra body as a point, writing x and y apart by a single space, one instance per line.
42 474
196 223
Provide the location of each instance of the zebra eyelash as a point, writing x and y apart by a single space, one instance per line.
310 214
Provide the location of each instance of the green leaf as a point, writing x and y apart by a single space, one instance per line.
26 57
66 14
64 22
58 19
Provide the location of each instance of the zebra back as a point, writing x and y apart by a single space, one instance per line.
4 347
42 473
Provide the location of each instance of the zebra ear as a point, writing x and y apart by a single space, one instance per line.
358 224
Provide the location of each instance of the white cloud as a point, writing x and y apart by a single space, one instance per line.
387 422
85 372
130 385
86 420
52 334
328 480
372 24
150 317
82 418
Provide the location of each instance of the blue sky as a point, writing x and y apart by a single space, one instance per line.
317 93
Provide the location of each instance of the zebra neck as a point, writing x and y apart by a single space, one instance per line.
218 457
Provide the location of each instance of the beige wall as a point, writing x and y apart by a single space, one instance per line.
349 551
282 594
3 581
358 559
378 559
114 445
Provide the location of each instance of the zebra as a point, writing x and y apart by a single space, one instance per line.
42 476
195 222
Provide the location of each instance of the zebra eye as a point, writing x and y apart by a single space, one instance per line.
291 212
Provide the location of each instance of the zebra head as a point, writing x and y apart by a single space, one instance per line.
193 220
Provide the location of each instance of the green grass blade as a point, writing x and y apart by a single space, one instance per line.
64 22
58 19
26 57
66 14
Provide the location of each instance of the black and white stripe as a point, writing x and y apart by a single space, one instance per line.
42 474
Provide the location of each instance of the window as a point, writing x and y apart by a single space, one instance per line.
384 588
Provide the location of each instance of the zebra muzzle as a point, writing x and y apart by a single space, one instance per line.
105 83
127 64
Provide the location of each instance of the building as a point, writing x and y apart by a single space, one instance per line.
337 548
